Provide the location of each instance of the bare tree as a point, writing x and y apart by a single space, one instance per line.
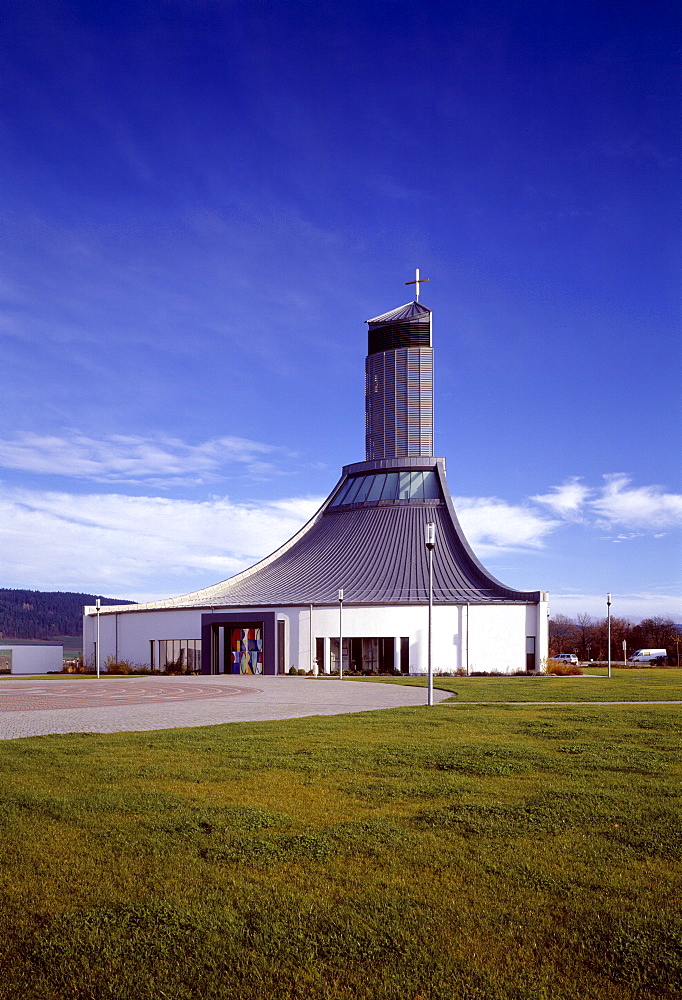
563 634
621 629
585 628
657 632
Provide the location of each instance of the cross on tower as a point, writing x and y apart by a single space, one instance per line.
416 283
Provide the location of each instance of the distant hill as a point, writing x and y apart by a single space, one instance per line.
38 614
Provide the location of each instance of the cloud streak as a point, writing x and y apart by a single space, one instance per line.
566 501
615 506
128 545
636 507
133 459
152 546
491 525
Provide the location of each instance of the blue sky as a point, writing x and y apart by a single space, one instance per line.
203 201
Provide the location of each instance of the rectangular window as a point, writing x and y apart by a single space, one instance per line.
350 496
178 656
404 486
404 654
361 495
377 486
390 486
417 486
431 486
280 646
319 654
343 492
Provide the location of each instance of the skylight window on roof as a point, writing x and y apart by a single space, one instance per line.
404 485
431 491
376 488
357 483
361 495
386 486
390 486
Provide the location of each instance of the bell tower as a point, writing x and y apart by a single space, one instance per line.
399 382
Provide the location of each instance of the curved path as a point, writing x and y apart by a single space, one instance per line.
36 707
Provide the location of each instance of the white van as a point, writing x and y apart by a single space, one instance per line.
647 655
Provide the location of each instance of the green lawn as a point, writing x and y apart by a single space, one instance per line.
660 684
490 853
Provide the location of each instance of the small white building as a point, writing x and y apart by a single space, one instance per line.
26 656
366 545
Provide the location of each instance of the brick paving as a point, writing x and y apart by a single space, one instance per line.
34 707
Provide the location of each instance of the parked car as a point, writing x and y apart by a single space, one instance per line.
566 658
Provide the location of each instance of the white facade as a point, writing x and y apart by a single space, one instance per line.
471 638
31 658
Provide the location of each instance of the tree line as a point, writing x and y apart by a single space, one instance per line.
587 636
37 614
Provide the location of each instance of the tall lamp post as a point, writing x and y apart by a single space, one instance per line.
341 634
430 543
97 605
608 631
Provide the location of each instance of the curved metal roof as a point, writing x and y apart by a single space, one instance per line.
374 550
411 310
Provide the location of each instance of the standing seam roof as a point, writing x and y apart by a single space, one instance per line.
375 552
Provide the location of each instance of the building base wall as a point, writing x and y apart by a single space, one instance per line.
20 658
469 638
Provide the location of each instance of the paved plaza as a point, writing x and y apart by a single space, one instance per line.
37 707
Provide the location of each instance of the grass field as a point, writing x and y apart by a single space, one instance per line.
660 684
491 853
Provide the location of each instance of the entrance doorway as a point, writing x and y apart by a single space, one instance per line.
237 650
240 643
364 654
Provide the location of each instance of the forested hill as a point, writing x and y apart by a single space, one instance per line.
37 614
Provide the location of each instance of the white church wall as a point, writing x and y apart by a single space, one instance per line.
482 637
474 637
126 635
497 637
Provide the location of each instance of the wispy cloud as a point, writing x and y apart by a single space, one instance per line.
122 545
645 507
624 605
133 459
492 525
567 500
616 505
151 546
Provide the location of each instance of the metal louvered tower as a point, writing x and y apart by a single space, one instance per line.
399 384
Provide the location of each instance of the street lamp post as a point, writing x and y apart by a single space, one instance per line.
608 631
430 543
97 606
313 658
341 634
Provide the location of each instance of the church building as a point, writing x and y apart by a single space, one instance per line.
353 584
